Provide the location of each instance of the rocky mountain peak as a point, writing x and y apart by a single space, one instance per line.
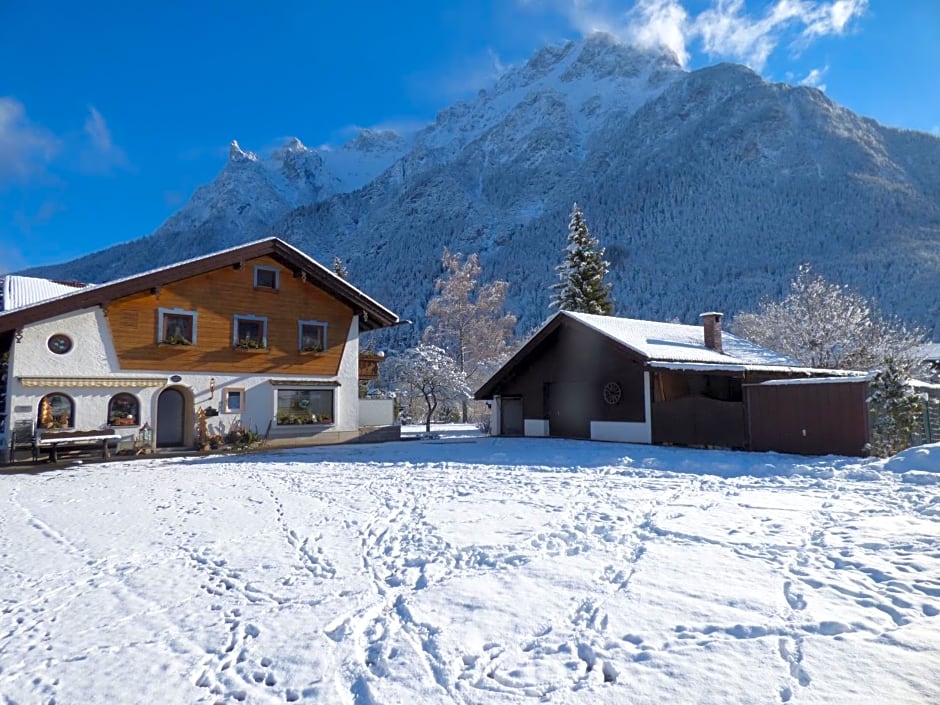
237 154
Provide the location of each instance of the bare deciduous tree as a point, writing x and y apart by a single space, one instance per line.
429 373
467 320
828 326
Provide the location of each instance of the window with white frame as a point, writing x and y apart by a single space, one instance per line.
311 336
233 400
266 277
176 326
302 407
250 332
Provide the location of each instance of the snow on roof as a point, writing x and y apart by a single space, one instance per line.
65 291
25 291
930 351
676 342
815 380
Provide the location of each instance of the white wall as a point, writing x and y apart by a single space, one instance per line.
496 416
93 355
536 427
376 412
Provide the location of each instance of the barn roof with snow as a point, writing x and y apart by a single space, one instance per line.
676 342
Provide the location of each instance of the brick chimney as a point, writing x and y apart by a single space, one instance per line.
712 324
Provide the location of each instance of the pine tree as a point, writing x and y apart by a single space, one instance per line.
895 409
339 269
582 288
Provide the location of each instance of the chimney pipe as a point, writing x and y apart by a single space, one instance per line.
712 324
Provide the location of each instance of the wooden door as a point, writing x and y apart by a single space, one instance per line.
512 423
171 415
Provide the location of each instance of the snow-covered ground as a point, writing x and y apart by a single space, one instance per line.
472 570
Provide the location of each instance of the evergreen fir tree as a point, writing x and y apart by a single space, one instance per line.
582 288
339 269
895 409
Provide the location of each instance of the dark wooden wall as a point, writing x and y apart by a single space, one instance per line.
217 296
810 419
563 380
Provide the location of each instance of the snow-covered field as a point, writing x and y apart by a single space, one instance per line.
472 570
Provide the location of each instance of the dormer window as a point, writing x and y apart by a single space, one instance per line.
266 277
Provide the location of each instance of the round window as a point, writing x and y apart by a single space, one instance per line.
60 344
612 393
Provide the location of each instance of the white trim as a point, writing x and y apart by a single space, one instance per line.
267 268
535 427
300 334
620 432
248 317
161 312
318 424
241 400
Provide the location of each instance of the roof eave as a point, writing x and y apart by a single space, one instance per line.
372 314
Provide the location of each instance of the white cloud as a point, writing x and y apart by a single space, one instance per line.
11 259
834 17
659 23
814 78
99 154
25 149
724 29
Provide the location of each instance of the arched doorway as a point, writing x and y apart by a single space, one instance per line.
171 418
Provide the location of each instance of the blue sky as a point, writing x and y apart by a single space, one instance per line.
112 113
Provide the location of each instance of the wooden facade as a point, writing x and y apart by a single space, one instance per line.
809 418
217 297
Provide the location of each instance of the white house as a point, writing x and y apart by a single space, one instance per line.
259 336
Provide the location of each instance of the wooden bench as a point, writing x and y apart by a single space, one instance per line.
55 441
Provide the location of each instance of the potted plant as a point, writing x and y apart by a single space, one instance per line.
247 343
177 339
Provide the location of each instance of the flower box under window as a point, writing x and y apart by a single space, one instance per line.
312 337
304 407
177 327
251 333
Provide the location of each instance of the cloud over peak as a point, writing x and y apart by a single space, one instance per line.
725 29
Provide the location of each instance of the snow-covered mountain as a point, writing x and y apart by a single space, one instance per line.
707 187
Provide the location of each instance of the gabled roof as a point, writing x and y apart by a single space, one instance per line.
25 291
372 315
668 345
930 352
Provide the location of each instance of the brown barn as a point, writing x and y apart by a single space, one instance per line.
619 379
